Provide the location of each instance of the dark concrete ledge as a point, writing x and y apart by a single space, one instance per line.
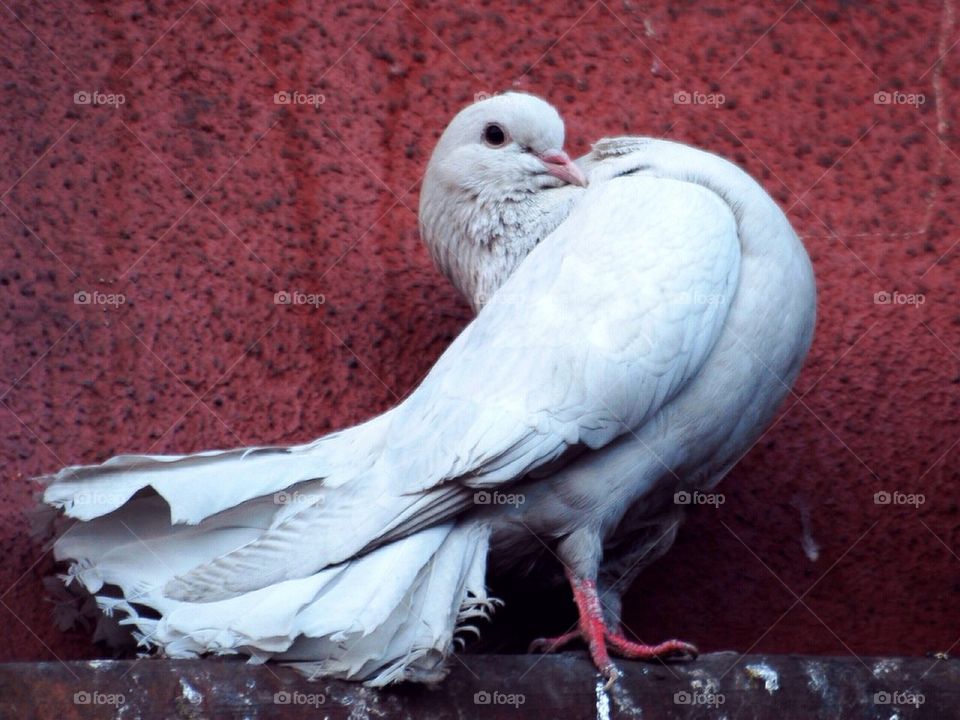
496 686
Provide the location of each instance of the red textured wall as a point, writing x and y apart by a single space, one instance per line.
199 198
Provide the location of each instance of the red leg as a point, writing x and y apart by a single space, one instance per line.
591 625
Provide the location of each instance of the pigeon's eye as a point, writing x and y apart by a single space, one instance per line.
494 135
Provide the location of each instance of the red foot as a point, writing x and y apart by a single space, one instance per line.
597 636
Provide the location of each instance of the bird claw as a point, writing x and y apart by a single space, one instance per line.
617 644
542 645
612 674
667 650
552 644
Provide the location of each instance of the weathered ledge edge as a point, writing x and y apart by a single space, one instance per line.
496 686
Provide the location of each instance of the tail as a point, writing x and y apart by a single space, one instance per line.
386 615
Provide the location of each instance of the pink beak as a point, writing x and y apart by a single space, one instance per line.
561 166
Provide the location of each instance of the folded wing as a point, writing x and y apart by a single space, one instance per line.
602 324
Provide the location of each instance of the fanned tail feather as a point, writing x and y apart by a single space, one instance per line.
388 613
386 616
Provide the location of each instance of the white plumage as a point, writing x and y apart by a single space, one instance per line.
634 337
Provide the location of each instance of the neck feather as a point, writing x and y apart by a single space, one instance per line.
477 242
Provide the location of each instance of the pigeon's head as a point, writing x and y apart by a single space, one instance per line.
498 182
502 148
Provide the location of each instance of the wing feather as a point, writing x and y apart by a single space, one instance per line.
606 320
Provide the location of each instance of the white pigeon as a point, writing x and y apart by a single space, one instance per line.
641 315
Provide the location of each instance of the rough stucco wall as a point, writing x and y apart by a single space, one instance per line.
199 198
